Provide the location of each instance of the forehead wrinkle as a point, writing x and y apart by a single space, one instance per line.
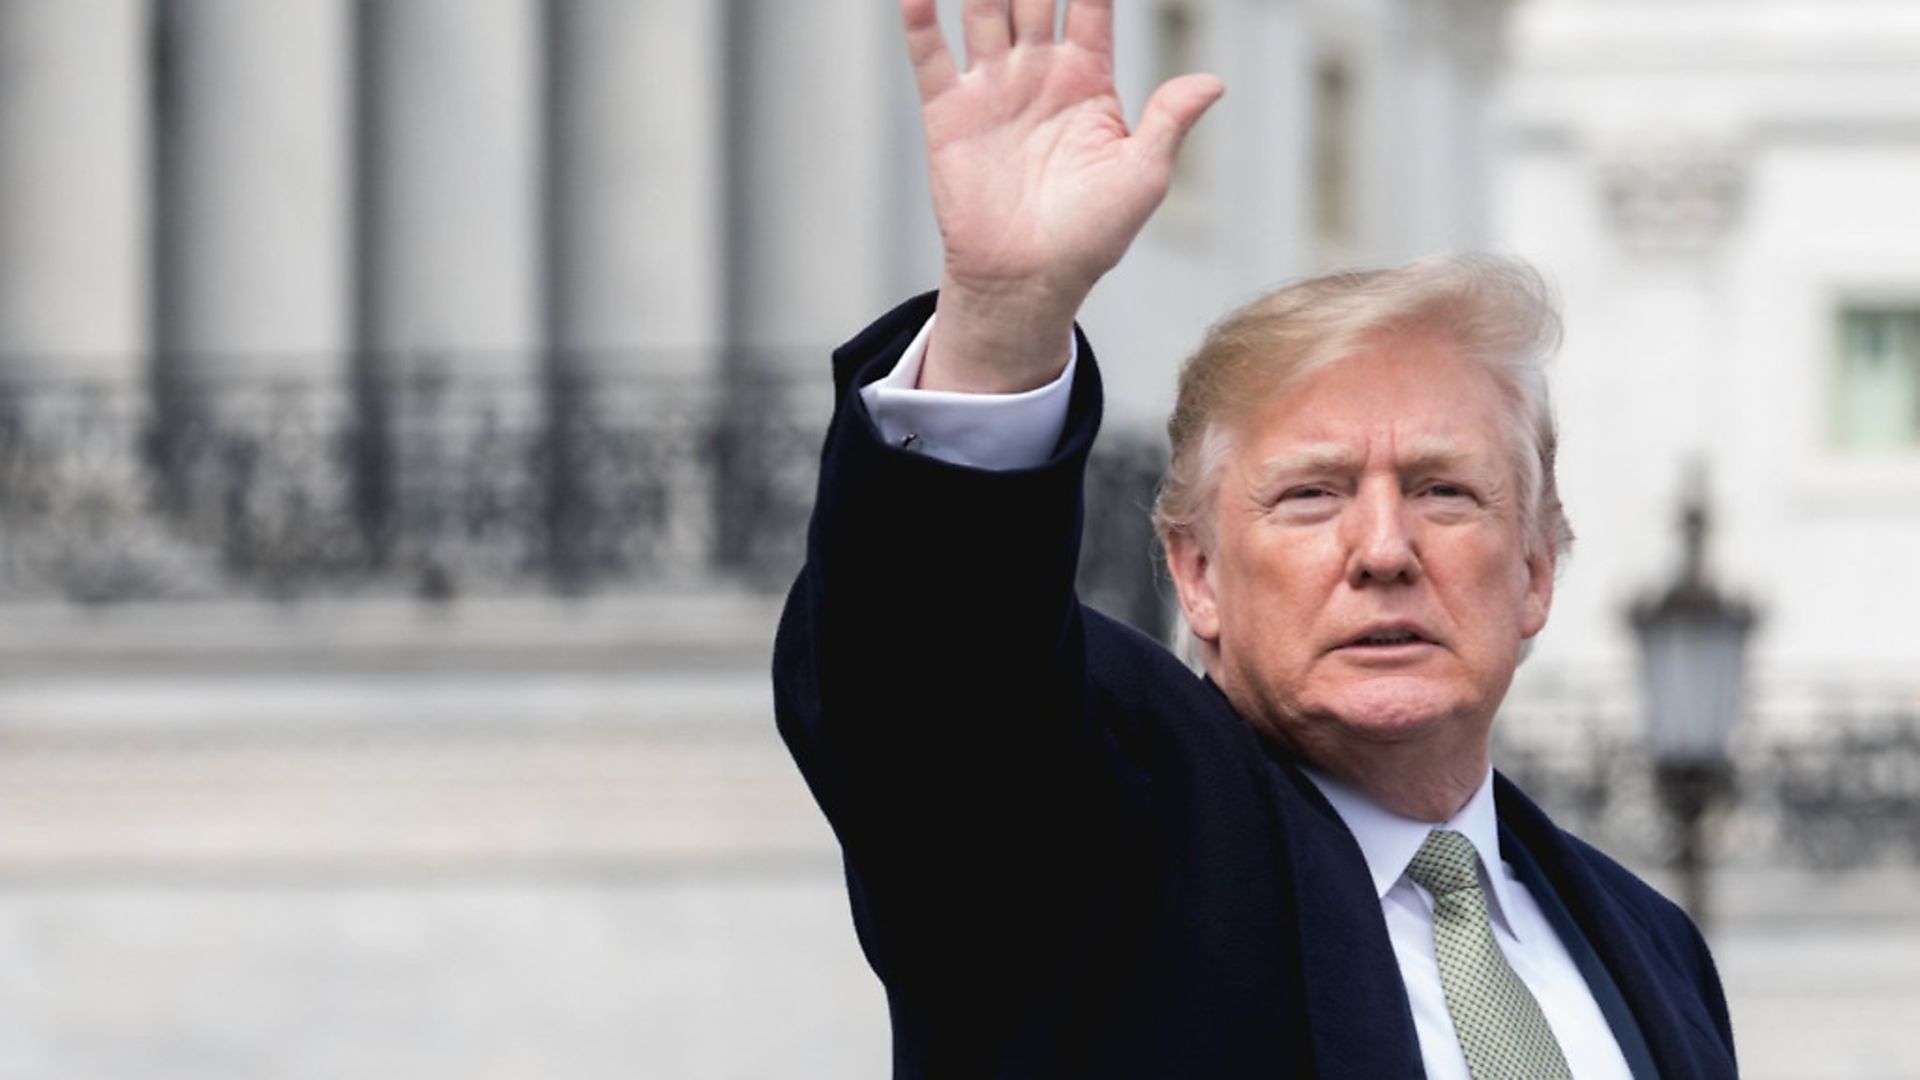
1329 455
1312 457
1426 453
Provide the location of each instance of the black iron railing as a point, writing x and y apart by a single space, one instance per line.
444 486
1839 793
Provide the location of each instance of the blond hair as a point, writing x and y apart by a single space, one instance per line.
1497 311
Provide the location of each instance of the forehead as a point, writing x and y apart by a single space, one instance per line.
1419 398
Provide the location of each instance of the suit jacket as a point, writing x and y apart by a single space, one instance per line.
1067 856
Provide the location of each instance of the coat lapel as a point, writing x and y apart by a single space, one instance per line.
1606 992
1665 1001
1356 1003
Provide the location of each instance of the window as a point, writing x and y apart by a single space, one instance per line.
1332 157
1877 399
1179 54
1178 39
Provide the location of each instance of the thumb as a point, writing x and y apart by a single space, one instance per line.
1172 111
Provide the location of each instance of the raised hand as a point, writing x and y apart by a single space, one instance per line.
1038 185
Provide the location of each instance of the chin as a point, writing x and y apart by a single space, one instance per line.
1390 711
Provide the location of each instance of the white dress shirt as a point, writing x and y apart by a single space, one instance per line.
1014 431
1532 947
987 431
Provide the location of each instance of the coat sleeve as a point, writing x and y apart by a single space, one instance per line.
931 681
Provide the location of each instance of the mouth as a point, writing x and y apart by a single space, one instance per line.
1395 636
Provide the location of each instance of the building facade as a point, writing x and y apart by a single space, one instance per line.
406 417
1720 191
434 292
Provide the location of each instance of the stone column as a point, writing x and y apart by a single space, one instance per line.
635 196
1269 176
635 137
1449 54
448 267
73 297
809 143
450 156
253 187
252 183
1423 89
1674 203
1429 196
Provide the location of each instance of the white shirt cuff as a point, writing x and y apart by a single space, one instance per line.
986 431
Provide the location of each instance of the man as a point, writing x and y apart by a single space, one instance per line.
1067 854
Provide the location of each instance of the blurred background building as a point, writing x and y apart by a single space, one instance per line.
406 420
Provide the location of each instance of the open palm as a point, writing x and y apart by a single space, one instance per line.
1037 182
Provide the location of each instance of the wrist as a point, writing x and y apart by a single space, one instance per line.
998 340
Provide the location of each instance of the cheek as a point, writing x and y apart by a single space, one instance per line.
1288 557
1273 588
1498 590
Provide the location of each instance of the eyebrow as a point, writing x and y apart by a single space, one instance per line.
1417 456
1310 458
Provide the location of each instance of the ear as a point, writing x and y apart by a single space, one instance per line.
1192 570
1538 600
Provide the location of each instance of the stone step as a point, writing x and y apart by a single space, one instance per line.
700 629
396 772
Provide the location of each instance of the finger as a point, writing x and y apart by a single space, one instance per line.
1090 25
1033 20
987 30
1172 111
927 47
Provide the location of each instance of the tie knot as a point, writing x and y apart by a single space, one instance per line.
1445 863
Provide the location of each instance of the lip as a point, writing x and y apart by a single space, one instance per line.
1423 639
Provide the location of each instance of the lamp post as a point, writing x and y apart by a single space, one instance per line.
1693 642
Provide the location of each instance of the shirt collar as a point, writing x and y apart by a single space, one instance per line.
1389 841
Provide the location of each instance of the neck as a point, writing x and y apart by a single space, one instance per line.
1426 777
1410 780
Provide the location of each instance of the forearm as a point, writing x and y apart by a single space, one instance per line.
922 573
930 680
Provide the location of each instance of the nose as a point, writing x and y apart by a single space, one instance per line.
1380 541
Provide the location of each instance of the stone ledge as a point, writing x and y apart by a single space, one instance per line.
670 631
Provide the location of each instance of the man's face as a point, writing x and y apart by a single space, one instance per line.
1367 582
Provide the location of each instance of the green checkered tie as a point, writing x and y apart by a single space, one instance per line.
1498 1022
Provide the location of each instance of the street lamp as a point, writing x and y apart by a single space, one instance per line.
1693 644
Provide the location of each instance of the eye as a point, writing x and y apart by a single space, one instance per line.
1448 492
1304 503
